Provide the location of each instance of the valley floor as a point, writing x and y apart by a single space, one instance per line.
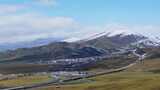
142 76
118 81
17 81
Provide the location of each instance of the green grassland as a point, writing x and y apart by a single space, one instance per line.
141 76
25 80
12 68
148 65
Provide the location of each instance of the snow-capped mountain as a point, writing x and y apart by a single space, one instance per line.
105 43
147 42
120 38
120 32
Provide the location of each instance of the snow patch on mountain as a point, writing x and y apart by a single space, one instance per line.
108 34
145 41
120 32
95 36
72 39
157 39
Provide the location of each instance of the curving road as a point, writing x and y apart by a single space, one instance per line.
68 80
57 82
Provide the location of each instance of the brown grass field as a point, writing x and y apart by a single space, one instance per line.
141 76
25 80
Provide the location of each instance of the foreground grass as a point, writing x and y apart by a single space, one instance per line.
141 76
118 81
147 65
26 80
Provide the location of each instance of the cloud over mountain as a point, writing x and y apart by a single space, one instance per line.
33 19
28 26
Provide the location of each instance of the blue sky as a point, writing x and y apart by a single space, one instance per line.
100 11
32 19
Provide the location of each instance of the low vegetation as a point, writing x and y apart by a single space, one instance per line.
118 81
138 77
25 80
23 68
148 65
141 76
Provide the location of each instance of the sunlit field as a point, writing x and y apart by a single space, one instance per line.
25 80
138 77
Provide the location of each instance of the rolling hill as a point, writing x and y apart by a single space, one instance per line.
97 45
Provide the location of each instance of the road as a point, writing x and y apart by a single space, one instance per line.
54 82
68 80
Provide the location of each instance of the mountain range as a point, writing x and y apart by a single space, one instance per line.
104 43
28 44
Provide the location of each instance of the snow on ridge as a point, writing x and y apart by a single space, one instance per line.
148 42
111 34
72 39
120 32
156 39
85 38
95 36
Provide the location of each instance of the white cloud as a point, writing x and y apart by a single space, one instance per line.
16 28
6 8
14 8
27 27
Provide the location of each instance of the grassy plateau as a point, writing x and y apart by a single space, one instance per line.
25 80
142 76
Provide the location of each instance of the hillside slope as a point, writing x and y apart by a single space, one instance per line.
58 50
141 76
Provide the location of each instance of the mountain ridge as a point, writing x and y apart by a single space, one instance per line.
100 44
